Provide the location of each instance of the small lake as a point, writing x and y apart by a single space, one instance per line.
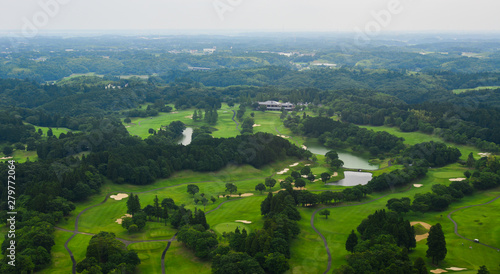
353 179
186 137
350 159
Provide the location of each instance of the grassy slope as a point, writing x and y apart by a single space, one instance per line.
458 91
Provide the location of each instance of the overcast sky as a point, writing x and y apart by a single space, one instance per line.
242 15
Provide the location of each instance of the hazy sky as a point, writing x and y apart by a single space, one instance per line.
272 15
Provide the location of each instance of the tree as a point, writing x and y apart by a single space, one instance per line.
436 243
40 132
127 120
276 263
133 204
213 199
260 187
195 115
299 182
151 131
204 202
295 174
7 150
156 205
351 242
470 160
325 177
483 270
193 189
50 133
419 266
231 188
325 212
270 182
305 170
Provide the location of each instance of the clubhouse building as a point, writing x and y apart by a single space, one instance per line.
273 105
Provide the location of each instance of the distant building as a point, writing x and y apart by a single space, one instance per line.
273 105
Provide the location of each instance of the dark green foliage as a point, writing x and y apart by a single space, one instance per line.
231 188
109 254
436 243
133 204
236 262
420 267
325 212
435 154
270 182
325 177
351 242
260 187
193 189
196 237
483 270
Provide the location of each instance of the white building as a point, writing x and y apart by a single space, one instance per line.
273 105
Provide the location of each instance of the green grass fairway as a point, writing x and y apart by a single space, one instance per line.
150 255
179 259
61 262
230 227
458 91
412 138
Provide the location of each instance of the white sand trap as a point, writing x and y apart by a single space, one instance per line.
335 174
283 136
256 125
5 158
294 164
418 185
127 126
439 270
119 197
458 179
174 112
243 221
304 176
304 147
307 164
189 116
120 220
283 171
453 268
423 236
237 195
484 154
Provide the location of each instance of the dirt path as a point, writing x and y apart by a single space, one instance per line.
456 225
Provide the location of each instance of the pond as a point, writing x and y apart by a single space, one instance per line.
353 179
351 160
186 137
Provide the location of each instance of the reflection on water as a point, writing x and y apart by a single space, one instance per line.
186 136
353 179
350 160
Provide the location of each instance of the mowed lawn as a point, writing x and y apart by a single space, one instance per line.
412 138
150 255
179 259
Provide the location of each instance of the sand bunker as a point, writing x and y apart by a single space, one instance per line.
243 221
294 164
335 174
119 197
283 136
189 116
458 179
5 158
418 185
456 268
237 195
283 171
174 112
423 236
119 221
484 154
307 164
256 125
439 270
304 147
128 126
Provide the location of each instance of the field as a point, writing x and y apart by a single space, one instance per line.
458 91
308 251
